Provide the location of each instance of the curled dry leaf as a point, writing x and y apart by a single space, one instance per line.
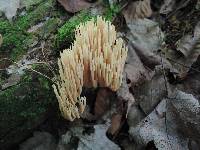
74 5
116 124
189 47
134 68
137 9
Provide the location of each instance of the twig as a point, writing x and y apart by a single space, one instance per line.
41 74
18 65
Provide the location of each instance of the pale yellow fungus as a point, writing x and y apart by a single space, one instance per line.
96 58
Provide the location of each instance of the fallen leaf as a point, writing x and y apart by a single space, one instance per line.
102 102
187 112
116 123
153 128
146 33
145 38
151 92
9 7
134 69
189 47
137 9
74 5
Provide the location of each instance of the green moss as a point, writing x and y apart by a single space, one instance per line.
111 12
50 26
16 39
25 97
25 102
66 32
24 22
30 3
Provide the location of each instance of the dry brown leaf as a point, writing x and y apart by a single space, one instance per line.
149 59
134 68
137 9
189 47
116 124
144 39
135 73
102 102
74 5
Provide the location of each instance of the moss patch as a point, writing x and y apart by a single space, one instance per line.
66 32
111 12
23 107
16 39
50 26
37 15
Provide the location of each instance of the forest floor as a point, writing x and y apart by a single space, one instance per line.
157 105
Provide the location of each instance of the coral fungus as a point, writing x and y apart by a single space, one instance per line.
96 58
